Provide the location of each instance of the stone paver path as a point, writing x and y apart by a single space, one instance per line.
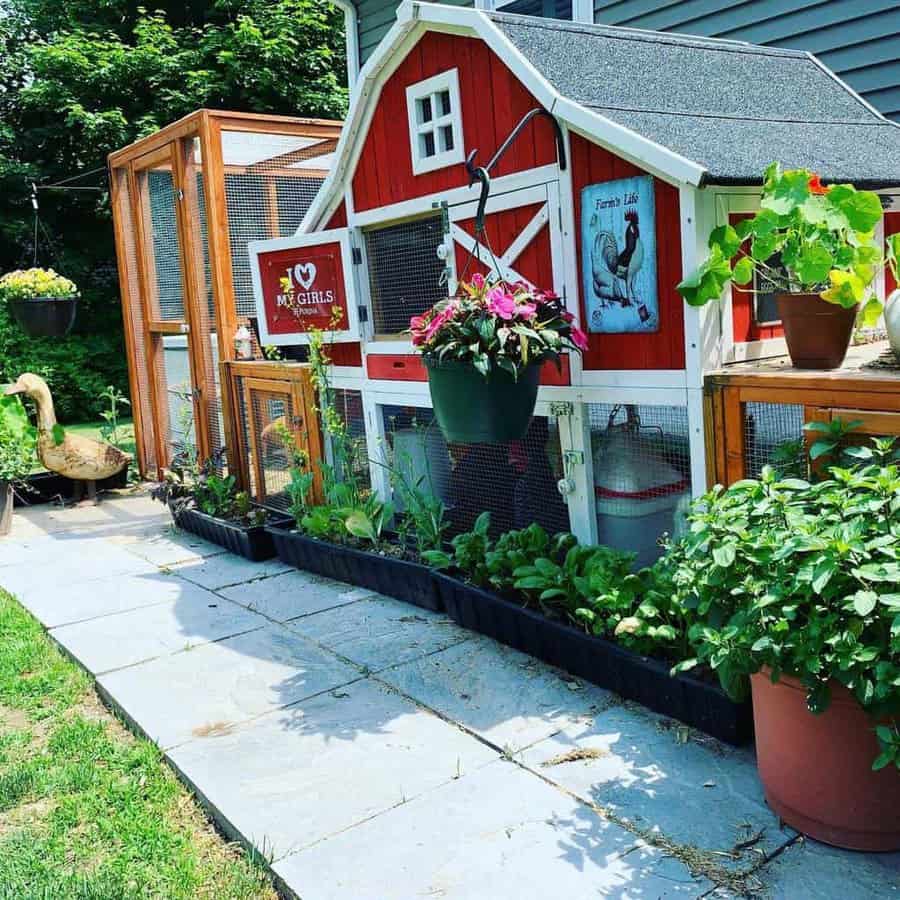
374 751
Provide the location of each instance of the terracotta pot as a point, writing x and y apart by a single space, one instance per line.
817 332
817 769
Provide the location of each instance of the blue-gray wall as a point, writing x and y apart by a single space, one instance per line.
375 18
858 39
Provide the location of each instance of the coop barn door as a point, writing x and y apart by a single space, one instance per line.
270 406
522 234
522 240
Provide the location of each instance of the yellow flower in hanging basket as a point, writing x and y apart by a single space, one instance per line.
35 284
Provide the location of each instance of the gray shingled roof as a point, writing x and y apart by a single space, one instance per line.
730 107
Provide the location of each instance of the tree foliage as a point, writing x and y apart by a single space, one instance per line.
81 78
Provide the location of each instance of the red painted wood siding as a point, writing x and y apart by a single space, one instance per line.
534 263
345 354
493 102
409 367
891 226
744 327
338 217
663 349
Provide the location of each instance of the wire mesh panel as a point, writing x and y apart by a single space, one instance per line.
515 482
168 288
178 398
773 435
348 405
134 320
406 276
270 182
642 481
204 323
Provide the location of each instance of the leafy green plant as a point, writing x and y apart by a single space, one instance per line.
114 400
591 586
800 578
822 236
18 440
467 553
497 326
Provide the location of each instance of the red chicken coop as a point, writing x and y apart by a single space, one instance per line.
611 153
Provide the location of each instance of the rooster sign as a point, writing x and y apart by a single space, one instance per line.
618 234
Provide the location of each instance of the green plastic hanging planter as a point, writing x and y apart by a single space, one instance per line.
473 409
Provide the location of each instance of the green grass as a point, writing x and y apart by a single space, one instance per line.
87 811
92 429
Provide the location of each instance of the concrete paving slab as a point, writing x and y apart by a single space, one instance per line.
101 597
168 547
498 832
62 565
699 792
808 869
295 776
227 569
381 632
223 684
294 594
505 696
196 617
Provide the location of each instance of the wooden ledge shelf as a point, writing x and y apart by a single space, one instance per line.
859 391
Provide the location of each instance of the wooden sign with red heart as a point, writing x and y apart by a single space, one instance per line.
301 286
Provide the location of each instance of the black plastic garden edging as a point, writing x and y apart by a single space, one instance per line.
407 581
252 542
647 681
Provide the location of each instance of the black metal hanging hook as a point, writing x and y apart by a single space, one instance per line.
483 173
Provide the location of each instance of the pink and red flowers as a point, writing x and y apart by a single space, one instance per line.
497 325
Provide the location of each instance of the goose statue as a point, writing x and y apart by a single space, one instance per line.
77 457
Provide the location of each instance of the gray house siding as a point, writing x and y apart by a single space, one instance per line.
375 18
858 39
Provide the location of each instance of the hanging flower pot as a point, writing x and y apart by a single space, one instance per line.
472 408
483 351
42 302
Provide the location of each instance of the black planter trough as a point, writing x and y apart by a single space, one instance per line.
647 681
398 578
46 487
252 542
45 316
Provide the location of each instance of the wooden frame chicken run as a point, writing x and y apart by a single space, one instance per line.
186 202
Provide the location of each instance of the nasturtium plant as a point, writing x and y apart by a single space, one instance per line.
806 238
800 578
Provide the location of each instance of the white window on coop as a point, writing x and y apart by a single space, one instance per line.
435 122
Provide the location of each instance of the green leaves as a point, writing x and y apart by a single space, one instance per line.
708 281
805 236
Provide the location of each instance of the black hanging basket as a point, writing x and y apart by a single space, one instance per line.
45 316
473 409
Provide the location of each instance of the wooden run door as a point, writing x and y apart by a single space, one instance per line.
273 399
176 305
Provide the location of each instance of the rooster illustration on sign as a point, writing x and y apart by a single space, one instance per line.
618 234
614 271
